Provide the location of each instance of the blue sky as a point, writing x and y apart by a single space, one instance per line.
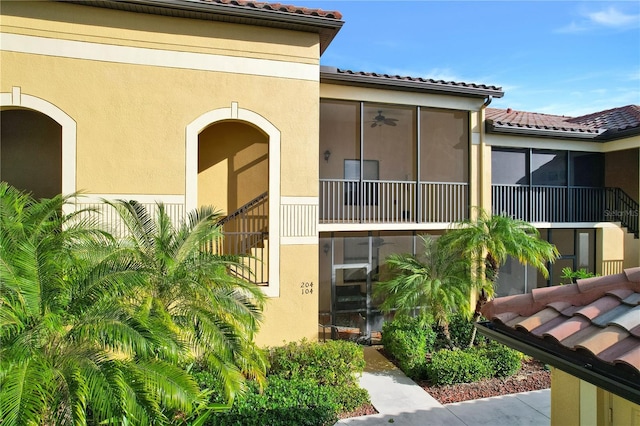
557 57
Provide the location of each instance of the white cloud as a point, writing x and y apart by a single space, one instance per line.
612 17
572 28
605 18
635 75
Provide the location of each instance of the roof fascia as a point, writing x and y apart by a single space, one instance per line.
405 85
326 27
565 363
603 135
542 133
612 135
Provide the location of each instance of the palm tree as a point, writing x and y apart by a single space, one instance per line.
489 240
191 293
436 282
70 353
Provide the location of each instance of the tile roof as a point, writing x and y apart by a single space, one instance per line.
594 322
274 15
617 119
612 123
398 82
332 14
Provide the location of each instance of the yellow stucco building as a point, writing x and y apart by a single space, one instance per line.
321 172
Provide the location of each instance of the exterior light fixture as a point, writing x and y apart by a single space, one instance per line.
325 248
327 154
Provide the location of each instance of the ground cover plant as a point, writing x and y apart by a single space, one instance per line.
418 347
308 383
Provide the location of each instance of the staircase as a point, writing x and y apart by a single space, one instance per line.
245 236
620 207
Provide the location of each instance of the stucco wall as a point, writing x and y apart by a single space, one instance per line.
576 402
133 82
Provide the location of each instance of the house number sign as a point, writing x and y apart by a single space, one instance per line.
306 287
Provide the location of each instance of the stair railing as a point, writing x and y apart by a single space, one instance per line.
245 234
622 208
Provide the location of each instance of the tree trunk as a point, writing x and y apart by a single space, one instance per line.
482 299
447 335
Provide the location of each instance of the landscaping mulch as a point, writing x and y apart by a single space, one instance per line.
365 410
532 376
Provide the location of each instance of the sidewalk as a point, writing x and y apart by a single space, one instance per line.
400 401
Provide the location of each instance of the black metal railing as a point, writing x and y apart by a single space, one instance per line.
622 208
245 235
566 204
386 201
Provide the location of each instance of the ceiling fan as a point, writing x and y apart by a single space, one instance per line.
380 120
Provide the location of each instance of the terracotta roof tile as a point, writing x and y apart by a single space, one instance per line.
537 319
632 299
621 118
406 82
598 307
604 124
611 316
599 315
511 117
630 358
278 7
515 321
603 339
627 320
619 350
567 328
549 325
560 306
633 274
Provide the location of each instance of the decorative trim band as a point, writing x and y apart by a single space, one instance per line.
142 198
157 57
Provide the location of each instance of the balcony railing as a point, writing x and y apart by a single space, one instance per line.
565 204
380 201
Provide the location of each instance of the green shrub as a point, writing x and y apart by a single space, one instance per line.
461 328
333 363
459 366
308 384
502 360
284 402
408 340
349 397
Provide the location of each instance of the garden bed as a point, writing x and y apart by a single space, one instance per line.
532 376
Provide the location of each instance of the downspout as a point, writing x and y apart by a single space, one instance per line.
483 166
478 298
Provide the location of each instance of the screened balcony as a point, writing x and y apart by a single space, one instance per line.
384 163
557 186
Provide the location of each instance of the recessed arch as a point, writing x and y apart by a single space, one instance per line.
17 99
194 128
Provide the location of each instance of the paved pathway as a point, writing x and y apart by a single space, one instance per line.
400 401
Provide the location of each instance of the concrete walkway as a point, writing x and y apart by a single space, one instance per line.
400 401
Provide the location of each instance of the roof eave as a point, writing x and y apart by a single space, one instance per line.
327 28
542 132
405 85
570 365
612 135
